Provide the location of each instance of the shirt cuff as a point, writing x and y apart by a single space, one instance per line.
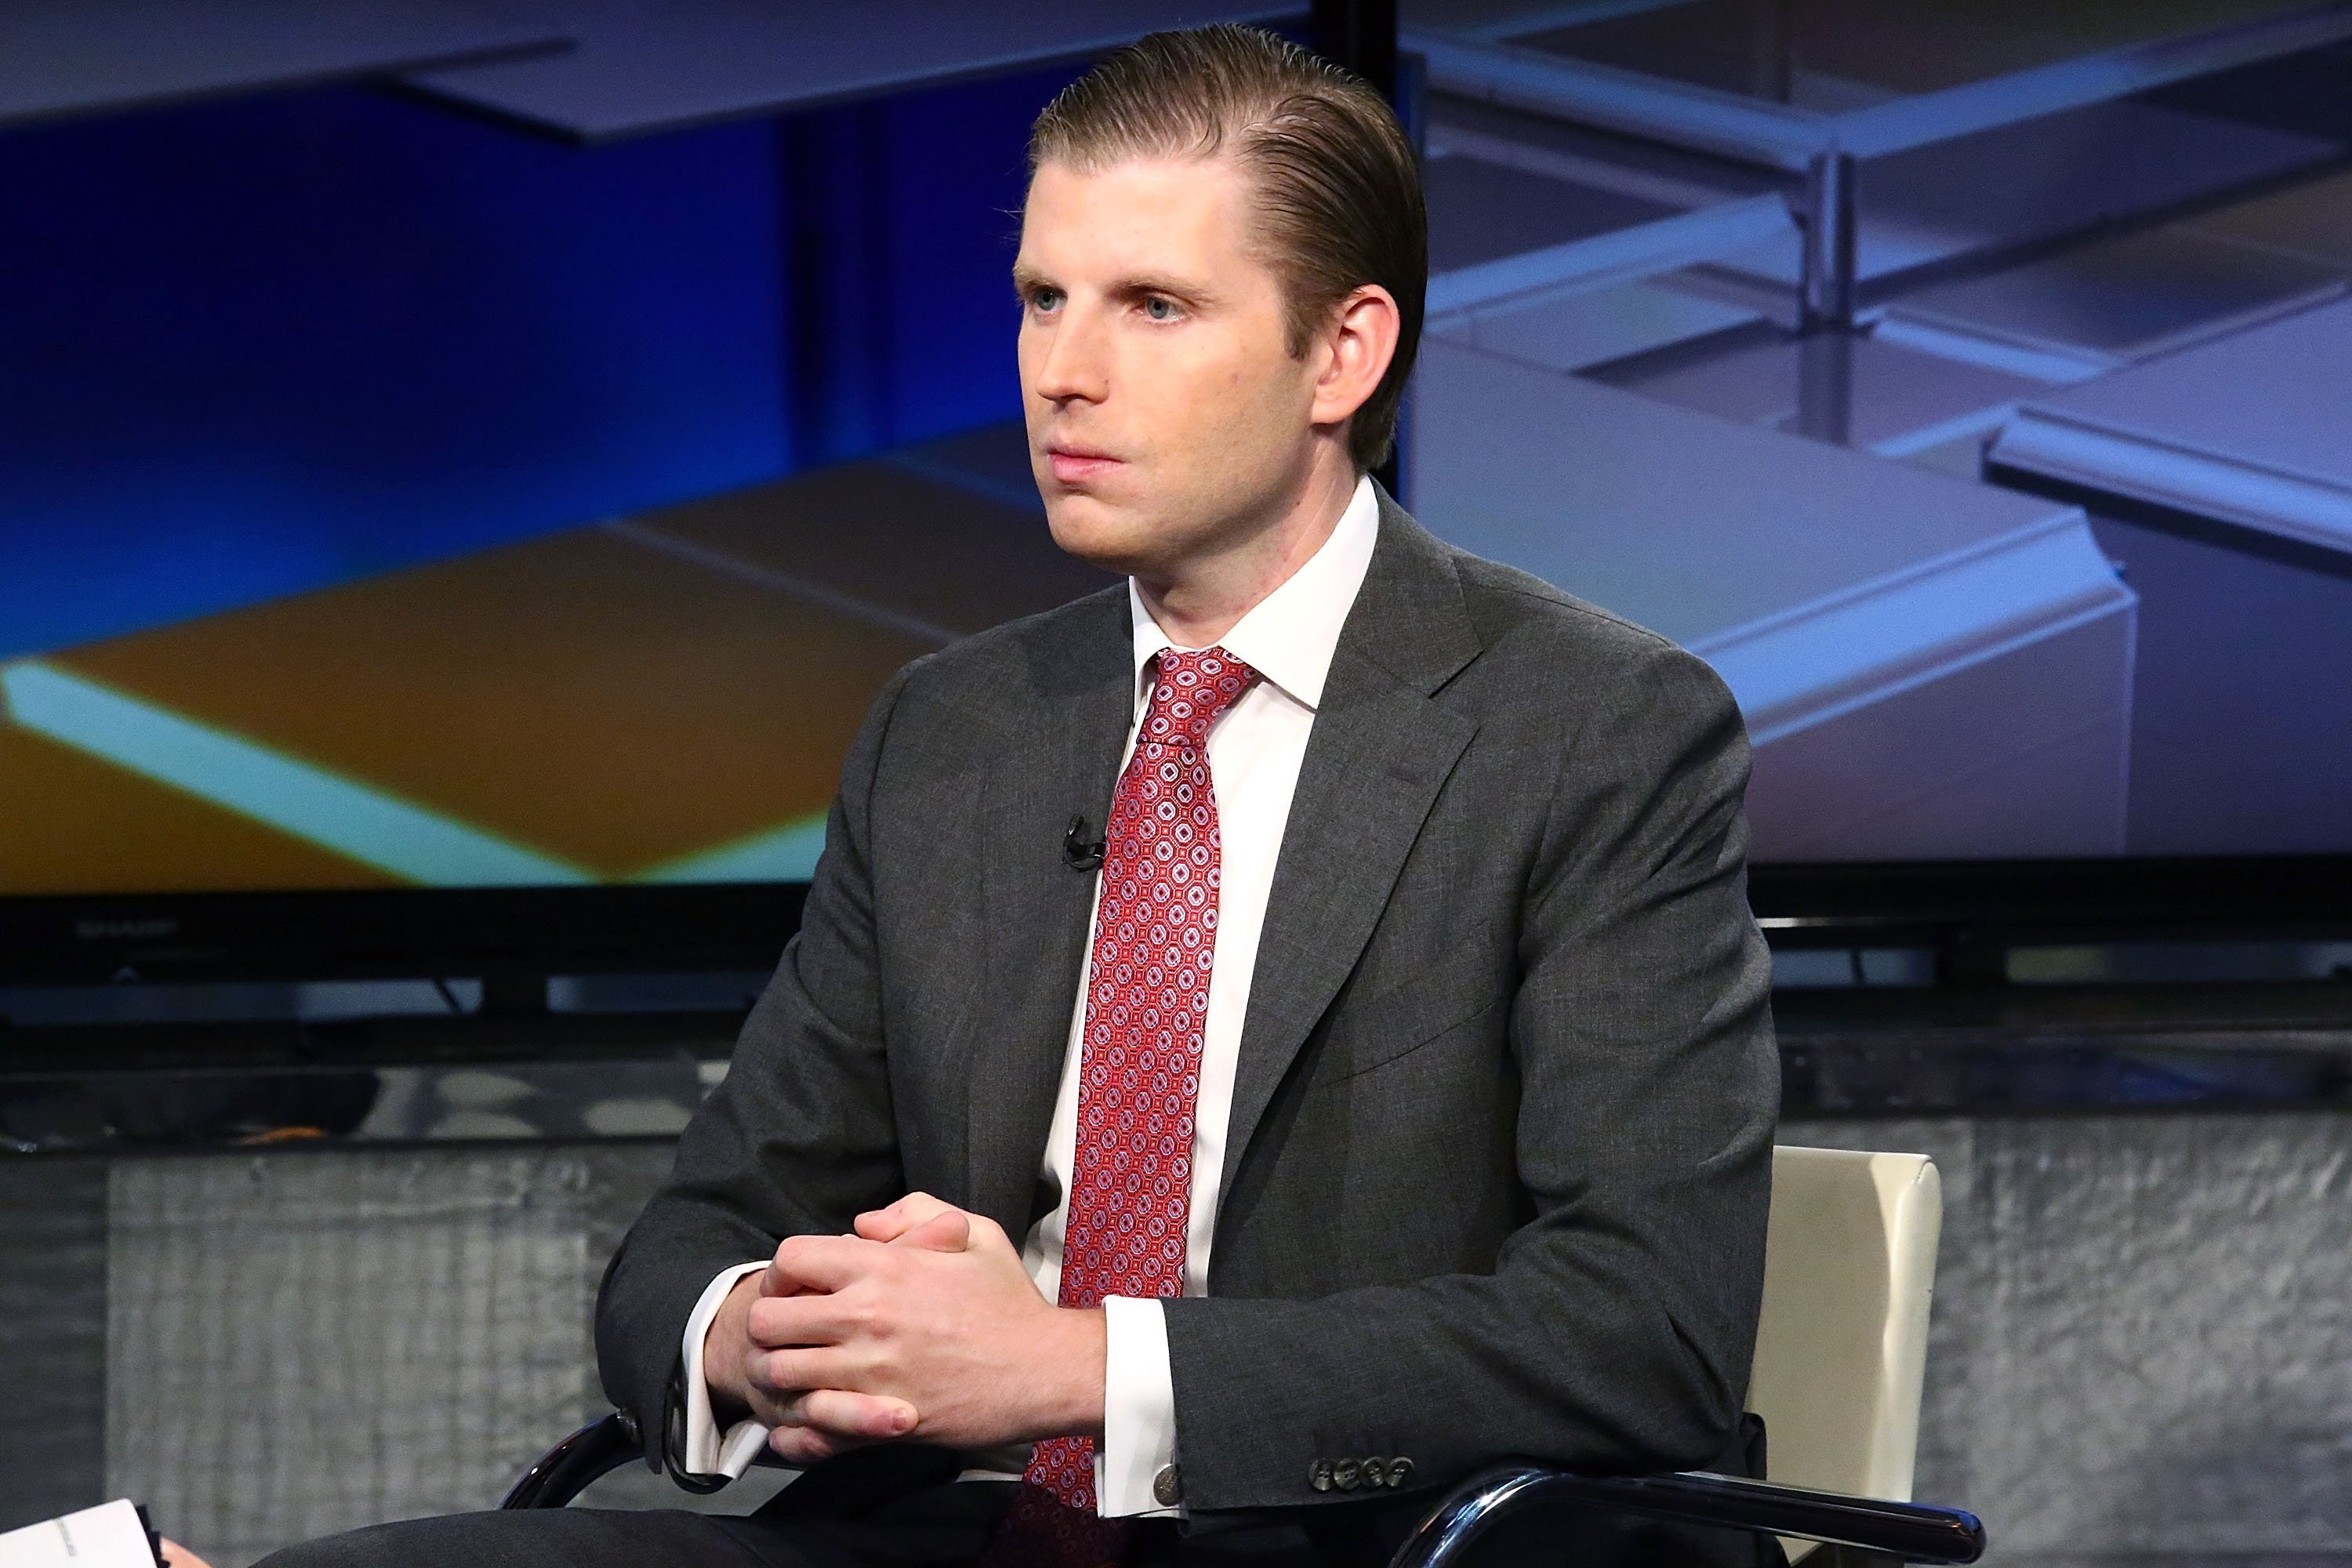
709 1452
1138 1410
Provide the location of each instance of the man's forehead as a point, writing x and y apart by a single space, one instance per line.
1197 203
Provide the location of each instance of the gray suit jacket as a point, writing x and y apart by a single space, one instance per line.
1499 1156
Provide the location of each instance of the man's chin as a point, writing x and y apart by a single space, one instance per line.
1099 533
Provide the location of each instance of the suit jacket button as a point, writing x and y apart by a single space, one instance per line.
1168 1486
1347 1474
1400 1470
1319 1475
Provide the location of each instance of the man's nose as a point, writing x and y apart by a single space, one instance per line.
1072 363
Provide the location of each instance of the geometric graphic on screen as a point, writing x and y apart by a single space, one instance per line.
282 791
1929 667
658 699
1951 635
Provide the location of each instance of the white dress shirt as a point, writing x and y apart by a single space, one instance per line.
1254 752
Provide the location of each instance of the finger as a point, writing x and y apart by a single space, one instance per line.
785 1376
949 1231
987 1235
802 1446
776 1323
816 1263
838 1412
891 1224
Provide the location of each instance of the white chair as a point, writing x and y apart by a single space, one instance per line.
1841 1347
1840 1355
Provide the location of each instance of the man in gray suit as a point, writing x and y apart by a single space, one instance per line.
1264 1039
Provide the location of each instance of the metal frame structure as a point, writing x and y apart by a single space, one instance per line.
2160 435
1826 150
1606 260
1776 136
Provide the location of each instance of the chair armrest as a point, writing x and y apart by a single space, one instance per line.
1912 1532
564 1472
605 1444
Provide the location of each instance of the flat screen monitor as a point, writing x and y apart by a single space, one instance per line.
394 504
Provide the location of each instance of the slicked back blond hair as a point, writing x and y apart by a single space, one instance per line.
1338 192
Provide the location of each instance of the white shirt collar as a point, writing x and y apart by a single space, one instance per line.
1289 635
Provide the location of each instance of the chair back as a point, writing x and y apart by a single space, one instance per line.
1841 1345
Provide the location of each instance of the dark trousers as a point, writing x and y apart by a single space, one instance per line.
935 1527
949 1526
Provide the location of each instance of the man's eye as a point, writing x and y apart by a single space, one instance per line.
1160 310
1046 299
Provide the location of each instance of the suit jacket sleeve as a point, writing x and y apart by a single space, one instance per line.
799 1138
1615 1330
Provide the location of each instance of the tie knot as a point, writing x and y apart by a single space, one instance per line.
1188 690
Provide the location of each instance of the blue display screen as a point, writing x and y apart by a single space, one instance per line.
391 495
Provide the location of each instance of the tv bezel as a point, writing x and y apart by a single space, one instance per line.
195 938
2002 903
383 933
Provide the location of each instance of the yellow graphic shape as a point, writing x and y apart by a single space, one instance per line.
73 823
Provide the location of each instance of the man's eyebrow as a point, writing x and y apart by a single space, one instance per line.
1026 278
1144 283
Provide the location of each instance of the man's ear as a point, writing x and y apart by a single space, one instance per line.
1359 341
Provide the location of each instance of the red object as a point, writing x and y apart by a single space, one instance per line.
1147 1003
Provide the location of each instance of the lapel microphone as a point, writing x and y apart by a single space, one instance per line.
1079 853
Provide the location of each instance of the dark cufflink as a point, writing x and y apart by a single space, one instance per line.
1168 1487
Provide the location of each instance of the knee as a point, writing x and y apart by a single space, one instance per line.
375 1546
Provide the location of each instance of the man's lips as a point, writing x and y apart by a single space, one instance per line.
1076 465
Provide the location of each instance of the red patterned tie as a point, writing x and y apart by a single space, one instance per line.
1146 1002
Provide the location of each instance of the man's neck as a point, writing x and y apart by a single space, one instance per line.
1202 600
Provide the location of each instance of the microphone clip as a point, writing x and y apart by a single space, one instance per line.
1079 853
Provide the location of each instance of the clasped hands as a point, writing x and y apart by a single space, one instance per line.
923 1326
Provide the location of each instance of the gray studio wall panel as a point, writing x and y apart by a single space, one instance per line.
2141 1348
52 1337
302 1343
2142 1342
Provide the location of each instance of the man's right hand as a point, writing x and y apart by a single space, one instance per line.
809 1424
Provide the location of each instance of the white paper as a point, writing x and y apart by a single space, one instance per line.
107 1536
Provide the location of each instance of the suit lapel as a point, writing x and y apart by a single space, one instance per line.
1062 761
1379 752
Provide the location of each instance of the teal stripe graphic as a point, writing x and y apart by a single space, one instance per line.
255 780
786 854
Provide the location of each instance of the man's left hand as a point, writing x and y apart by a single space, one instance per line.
962 1335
